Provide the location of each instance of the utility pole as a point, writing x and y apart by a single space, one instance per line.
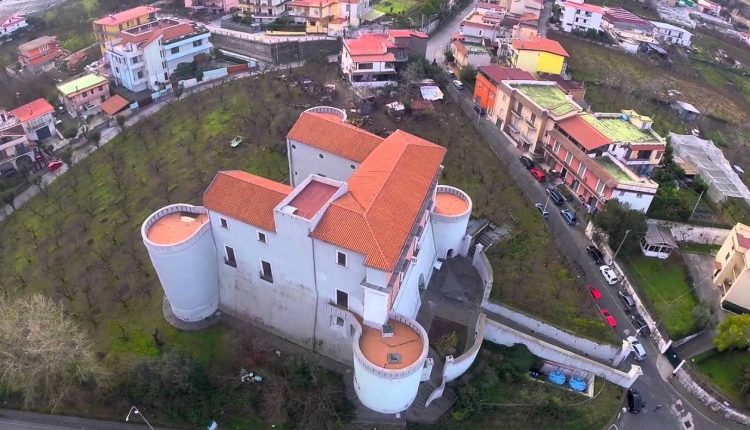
621 242
696 206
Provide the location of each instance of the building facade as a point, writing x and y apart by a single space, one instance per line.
469 54
40 54
264 10
37 119
579 16
373 58
731 270
671 34
108 28
144 57
11 24
333 262
82 96
213 6
538 55
488 82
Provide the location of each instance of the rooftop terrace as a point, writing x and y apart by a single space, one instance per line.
311 198
617 129
621 175
450 204
549 97
396 352
175 227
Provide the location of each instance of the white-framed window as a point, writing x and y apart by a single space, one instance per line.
223 223
568 157
599 187
556 147
266 272
341 258
229 258
581 170
261 237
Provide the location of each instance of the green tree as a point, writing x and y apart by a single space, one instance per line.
449 57
67 157
616 219
446 344
469 75
733 333
94 136
9 198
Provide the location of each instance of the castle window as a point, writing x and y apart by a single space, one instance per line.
229 259
340 258
261 237
223 223
266 273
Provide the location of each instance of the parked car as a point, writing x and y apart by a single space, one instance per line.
526 161
54 165
638 351
555 196
537 174
610 319
544 212
595 254
635 404
8 173
595 293
640 325
569 216
458 84
608 274
627 299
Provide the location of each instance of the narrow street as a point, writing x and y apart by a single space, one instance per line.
439 40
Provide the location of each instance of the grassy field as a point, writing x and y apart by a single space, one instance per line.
395 7
664 284
511 400
698 248
722 369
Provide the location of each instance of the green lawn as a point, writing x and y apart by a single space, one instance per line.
698 248
722 369
664 284
395 7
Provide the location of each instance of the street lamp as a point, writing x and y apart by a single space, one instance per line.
618 248
134 410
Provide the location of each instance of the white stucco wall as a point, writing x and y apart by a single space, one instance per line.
408 301
305 160
637 201
455 367
693 233
593 22
154 68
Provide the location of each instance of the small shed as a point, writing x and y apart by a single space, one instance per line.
686 111
114 105
658 242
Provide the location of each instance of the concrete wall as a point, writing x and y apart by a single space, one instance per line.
588 347
305 160
408 301
455 367
715 405
503 335
275 53
693 233
482 264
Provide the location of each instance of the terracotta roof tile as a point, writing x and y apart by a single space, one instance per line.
245 197
408 33
583 132
332 135
32 110
540 44
386 194
126 15
499 73
368 44
114 104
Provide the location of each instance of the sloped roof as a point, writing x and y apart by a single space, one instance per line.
498 73
385 197
368 44
114 104
585 7
659 235
126 15
330 134
36 43
245 197
408 33
540 44
583 132
32 110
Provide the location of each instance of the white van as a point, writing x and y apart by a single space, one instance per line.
638 351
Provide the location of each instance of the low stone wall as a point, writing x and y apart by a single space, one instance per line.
455 367
693 233
696 390
590 348
482 264
504 335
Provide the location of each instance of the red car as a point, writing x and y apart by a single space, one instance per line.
595 293
537 174
54 165
610 319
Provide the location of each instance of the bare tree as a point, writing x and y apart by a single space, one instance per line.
45 355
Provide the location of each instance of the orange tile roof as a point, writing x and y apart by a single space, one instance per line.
332 135
374 58
114 104
32 110
126 15
540 44
245 197
167 30
311 198
386 193
583 132
368 44
408 33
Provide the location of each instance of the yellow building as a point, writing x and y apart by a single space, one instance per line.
538 55
109 27
732 270
318 14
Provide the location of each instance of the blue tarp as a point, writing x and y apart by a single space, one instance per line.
556 377
577 383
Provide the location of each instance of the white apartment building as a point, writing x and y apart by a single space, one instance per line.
264 10
12 23
333 262
579 16
144 57
671 33
13 141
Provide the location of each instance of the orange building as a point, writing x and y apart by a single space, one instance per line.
39 54
488 80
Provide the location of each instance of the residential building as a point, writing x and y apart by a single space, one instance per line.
84 95
264 10
372 59
144 57
538 55
40 54
468 54
709 7
330 16
671 34
480 26
658 242
527 109
15 149
629 30
582 17
10 24
587 162
731 270
213 6
108 28
488 82
37 119
333 262
484 7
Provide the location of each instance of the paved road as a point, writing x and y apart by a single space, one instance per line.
676 409
440 39
20 420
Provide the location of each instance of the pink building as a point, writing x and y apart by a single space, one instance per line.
83 96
